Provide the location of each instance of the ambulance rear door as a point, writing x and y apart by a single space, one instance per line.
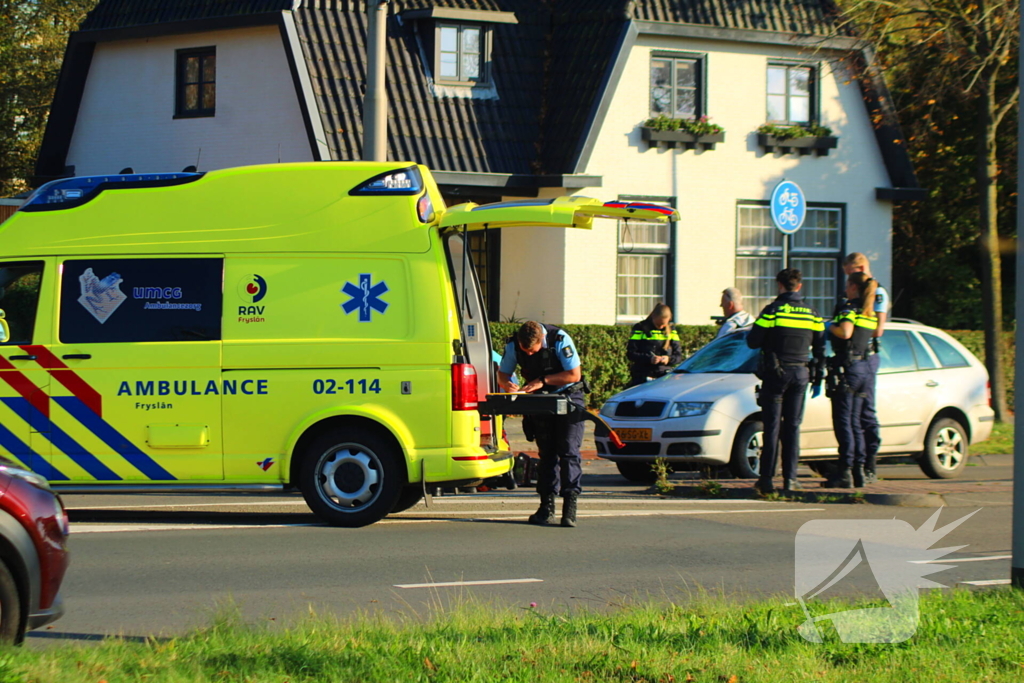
136 369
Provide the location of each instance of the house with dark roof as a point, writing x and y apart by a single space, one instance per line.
705 105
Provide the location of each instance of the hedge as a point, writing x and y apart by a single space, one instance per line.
602 350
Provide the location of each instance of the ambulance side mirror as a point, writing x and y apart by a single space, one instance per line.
5 329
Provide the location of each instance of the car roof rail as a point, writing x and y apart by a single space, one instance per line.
906 320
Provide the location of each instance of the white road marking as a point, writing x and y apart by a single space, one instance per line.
465 516
987 558
185 505
445 584
77 529
532 500
990 582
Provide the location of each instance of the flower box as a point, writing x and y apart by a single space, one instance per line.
687 140
805 145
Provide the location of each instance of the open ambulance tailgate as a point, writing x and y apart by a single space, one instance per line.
563 212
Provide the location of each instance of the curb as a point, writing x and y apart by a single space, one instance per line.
916 500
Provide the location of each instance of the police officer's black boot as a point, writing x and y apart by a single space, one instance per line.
870 477
546 511
859 477
569 508
842 479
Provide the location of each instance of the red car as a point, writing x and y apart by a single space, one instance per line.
33 552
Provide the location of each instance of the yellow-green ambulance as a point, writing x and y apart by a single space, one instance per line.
315 325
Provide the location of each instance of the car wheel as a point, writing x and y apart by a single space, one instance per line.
745 461
945 449
351 478
639 472
409 496
10 608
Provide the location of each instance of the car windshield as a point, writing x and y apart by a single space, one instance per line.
728 354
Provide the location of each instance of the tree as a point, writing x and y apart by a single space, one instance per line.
33 34
965 49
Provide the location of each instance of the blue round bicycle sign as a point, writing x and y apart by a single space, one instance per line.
789 207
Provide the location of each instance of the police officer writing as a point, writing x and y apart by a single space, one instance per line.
849 377
548 362
653 348
786 331
857 262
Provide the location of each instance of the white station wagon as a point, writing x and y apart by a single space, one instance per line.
932 399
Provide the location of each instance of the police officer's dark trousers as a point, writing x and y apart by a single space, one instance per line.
782 405
848 405
559 438
868 416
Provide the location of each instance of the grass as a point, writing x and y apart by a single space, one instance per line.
1000 443
963 636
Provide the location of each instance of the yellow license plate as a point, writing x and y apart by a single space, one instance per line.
634 434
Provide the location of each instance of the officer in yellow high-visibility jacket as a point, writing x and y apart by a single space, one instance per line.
653 348
786 331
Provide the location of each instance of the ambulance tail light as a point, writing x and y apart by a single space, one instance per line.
464 387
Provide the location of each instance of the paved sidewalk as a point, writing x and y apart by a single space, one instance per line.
987 482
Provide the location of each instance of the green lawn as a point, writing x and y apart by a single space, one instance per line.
1001 441
963 636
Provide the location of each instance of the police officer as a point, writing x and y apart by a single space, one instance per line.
548 362
653 348
851 332
785 331
857 262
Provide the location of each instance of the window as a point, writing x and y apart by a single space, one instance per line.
946 352
814 249
196 91
140 300
924 359
19 298
644 265
895 353
677 85
791 94
463 53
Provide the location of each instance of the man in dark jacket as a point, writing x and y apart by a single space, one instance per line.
653 348
786 331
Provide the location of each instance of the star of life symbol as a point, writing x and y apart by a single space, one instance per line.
100 297
889 553
365 297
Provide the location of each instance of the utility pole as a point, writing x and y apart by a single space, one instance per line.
1017 564
375 102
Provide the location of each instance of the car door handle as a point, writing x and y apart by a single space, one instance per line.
77 356
21 357
931 383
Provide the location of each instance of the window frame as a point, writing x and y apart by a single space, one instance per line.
701 58
668 252
485 53
180 59
785 252
814 115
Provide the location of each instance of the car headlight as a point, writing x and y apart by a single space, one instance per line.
26 475
608 409
689 409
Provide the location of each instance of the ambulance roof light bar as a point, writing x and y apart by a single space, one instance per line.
68 193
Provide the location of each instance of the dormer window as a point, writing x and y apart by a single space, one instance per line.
463 53
456 46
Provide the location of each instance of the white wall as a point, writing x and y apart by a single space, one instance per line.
127 112
708 184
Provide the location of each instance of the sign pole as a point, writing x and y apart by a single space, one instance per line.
1017 564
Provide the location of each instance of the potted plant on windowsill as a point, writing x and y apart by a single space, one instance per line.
799 139
690 133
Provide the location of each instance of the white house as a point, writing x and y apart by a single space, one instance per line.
508 99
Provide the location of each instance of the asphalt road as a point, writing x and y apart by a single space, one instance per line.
159 564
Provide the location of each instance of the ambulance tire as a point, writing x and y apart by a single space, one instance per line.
351 477
410 496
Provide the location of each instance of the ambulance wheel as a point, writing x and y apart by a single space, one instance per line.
409 497
351 478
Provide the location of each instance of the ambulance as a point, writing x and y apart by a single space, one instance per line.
316 326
